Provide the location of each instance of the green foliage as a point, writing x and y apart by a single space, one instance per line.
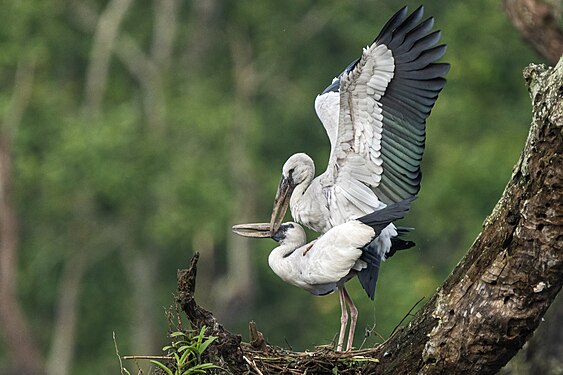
187 349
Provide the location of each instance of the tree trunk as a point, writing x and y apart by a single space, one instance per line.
494 299
543 354
17 335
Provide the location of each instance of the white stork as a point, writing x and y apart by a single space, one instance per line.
327 263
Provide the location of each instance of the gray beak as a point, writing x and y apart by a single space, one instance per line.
256 230
281 202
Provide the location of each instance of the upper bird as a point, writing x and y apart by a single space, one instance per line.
375 114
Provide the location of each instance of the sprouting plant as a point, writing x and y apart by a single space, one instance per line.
186 349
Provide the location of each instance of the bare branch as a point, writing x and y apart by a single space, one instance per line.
165 25
107 30
62 341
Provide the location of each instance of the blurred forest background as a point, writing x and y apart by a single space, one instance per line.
134 132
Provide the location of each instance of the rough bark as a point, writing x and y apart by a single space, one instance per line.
494 299
543 354
538 23
227 351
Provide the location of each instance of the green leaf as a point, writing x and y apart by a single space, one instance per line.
200 369
185 347
185 355
162 366
206 343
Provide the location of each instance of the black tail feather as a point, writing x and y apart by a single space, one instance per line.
379 220
382 218
368 276
398 244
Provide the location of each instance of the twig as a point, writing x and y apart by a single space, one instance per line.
253 365
117 352
288 344
407 315
368 333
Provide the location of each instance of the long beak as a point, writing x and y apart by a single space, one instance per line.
281 203
256 230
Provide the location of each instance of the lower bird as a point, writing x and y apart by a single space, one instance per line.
331 260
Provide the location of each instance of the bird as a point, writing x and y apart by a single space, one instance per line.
375 115
327 263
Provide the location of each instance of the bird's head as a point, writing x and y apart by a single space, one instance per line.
290 232
298 169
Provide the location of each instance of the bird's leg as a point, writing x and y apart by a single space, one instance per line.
343 320
309 246
353 317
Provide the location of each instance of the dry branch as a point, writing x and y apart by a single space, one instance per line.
491 303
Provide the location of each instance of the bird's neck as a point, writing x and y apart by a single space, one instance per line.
307 208
281 261
300 189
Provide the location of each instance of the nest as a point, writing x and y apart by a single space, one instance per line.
257 357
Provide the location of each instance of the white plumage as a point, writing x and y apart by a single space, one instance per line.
326 264
327 261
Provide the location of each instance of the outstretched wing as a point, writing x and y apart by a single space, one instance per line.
375 115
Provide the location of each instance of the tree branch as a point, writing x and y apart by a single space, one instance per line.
494 299
538 23
107 30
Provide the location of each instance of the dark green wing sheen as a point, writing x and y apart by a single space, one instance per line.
408 100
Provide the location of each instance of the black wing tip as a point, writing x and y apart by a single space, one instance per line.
446 66
395 21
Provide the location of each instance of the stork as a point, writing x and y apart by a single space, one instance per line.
334 258
375 115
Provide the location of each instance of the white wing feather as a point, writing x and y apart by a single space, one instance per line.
335 253
355 164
